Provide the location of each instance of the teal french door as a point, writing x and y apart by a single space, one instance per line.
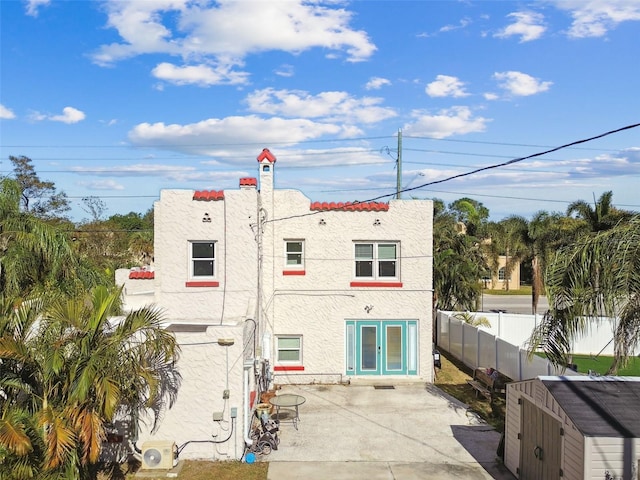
381 347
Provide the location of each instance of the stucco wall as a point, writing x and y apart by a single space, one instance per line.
317 304
203 366
178 220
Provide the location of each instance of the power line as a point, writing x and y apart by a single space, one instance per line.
480 142
303 142
477 170
520 159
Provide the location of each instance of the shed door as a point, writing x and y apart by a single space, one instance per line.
540 444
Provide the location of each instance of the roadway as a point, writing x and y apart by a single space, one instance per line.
512 303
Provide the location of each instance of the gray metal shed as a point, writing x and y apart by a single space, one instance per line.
576 427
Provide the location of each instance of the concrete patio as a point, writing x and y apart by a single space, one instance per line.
356 431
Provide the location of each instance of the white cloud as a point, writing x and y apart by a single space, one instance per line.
201 75
594 18
452 121
34 5
6 113
491 96
102 185
376 83
208 137
465 22
520 84
69 115
528 25
223 34
285 70
446 86
329 106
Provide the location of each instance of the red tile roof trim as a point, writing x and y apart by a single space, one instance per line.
350 207
248 182
208 195
141 275
266 154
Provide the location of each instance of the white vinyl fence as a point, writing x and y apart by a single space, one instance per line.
503 345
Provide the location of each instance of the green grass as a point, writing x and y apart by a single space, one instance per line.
602 363
523 290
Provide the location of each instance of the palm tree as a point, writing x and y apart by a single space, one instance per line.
546 234
597 277
507 237
68 369
602 216
34 254
458 264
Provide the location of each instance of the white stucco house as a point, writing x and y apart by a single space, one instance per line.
262 286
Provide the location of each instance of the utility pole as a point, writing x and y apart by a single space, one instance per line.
399 166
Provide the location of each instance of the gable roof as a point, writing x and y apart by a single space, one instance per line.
266 154
599 406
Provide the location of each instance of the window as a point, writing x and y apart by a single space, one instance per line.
501 274
294 254
376 261
290 349
203 259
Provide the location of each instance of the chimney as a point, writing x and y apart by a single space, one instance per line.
248 183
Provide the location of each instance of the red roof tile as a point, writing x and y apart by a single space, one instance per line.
350 207
141 275
208 195
268 155
248 182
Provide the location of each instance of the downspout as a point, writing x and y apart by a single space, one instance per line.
245 404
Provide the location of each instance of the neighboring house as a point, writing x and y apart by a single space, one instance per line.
576 427
263 286
499 278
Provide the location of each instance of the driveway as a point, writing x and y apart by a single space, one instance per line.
356 431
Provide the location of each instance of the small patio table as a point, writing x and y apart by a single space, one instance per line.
290 402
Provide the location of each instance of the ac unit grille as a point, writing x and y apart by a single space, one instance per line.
158 454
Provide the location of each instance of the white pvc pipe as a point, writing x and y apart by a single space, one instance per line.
245 405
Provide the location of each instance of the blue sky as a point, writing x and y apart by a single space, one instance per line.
120 99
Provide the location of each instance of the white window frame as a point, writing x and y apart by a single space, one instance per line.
289 349
376 261
287 265
502 274
193 260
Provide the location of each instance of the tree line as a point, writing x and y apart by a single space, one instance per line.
71 361
585 260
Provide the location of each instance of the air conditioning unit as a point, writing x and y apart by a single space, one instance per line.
158 454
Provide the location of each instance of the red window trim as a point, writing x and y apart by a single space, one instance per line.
377 284
202 284
288 368
294 272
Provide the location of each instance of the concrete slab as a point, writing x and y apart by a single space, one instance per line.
411 431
